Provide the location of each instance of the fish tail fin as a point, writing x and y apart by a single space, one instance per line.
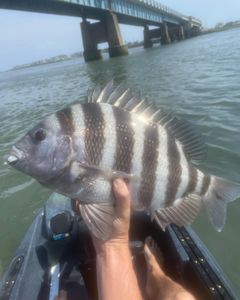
220 192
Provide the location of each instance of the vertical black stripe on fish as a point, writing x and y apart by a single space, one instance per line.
124 141
94 132
205 185
149 165
65 120
174 171
192 180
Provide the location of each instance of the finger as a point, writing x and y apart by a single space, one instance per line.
147 247
123 198
75 205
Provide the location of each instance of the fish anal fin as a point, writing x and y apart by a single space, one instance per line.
98 218
183 212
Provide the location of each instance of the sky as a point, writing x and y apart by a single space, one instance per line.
26 37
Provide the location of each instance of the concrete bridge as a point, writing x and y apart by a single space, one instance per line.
169 24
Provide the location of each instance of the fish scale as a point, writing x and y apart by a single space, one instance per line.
94 133
125 141
174 172
108 158
162 171
199 180
149 164
192 179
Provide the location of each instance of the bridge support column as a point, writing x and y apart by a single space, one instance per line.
147 42
176 33
195 31
165 38
114 37
190 30
91 51
181 33
106 30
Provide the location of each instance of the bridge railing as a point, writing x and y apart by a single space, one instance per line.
195 20
163 8
150 3
157 8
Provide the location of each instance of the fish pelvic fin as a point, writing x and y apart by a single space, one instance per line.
219 193
183 212
98 218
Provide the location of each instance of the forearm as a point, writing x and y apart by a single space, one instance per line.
116 277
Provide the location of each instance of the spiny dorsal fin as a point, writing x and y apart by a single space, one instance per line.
183 131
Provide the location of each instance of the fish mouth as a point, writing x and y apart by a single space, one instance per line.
15 156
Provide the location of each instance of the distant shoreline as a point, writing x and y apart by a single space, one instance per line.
47 61
218 28
222 27
64 57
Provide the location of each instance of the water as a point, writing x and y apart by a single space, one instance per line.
198 79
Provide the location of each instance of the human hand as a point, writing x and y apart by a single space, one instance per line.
116 278
121 223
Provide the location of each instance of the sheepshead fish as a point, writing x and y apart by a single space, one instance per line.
79 150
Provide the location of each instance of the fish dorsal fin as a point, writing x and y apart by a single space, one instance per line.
183 131
186 133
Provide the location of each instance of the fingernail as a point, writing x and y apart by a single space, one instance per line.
118 183
147 241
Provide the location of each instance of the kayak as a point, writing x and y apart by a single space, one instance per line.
57 253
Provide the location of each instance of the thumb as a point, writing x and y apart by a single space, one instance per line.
123 199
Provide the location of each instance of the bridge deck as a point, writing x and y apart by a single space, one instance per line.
134 12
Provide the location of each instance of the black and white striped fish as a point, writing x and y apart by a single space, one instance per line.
79 150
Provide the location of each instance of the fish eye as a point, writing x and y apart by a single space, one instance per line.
40 135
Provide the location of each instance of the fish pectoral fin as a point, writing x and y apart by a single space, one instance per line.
105 173
98 218
120 174
182 213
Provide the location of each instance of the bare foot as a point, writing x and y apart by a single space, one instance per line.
153 255
159 285
154 271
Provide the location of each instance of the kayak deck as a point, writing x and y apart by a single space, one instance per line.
57 253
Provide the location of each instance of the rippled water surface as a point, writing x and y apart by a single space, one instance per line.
198 79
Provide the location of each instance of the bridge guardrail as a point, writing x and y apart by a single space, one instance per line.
155 5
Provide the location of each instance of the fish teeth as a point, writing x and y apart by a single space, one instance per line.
12 159
15 155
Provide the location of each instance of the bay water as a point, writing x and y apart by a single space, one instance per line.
196 79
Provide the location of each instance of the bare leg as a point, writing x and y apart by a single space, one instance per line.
159 286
